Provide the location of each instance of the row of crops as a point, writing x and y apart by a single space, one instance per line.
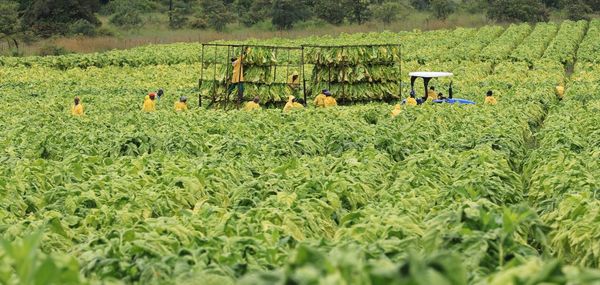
503 194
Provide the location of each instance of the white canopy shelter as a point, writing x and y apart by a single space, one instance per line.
430 74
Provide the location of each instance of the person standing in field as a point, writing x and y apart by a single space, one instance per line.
489 98
149 103
329 100
181 105
559 91
77 108
237 77
252 105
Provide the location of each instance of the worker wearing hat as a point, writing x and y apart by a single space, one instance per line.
77 108
181 105
149 103
252 105
329 100
320 99
489 98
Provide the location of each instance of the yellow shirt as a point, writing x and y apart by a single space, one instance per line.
560 91
396 111
238 71
250 106
330 102
490 100
320 100
411 101
149 106
77 110
431 95
180 106
291 106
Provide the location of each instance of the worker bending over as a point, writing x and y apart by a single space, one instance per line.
489 98
320 99
560 91
329 100
292 103
252 105
149 103
431 95
77 108
181 105
396 111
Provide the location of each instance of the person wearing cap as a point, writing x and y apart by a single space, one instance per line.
489 98
396 111
320 99
149 103
292 103
181 105
237 78
411 101
252 105
559 91
329 100
77 108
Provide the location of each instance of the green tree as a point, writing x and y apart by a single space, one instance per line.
287 12
578 10
357 11
518 10
50 17
331 11
442 8
9 22
390 11
127 14
217 14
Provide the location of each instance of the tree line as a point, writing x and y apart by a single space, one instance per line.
24 19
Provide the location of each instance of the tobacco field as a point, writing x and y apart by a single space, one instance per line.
440 194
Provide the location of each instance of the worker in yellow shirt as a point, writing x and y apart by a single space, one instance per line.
320 99
396 111
77 108
237 77
149 103
329 100
560 91
431 95
292 103
411 101
489 98
181 105
252 105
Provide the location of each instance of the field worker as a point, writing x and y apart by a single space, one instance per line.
396 111
320 99
149 103
237 77
181 105
411 101
489 98
159 93
252 105
560 91
431 94
329 100
77 108
292 103
440 96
